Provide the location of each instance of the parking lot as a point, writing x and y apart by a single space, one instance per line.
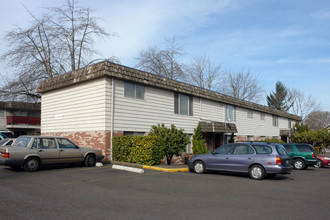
105 193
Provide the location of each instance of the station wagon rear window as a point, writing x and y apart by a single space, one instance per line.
281 150
263 149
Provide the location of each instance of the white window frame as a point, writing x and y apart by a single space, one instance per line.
136 87
230 113
275 121
249 114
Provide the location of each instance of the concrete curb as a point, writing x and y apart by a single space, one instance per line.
186 169
130 169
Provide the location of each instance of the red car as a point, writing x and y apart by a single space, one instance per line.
322 161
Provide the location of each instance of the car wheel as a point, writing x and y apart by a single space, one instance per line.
257 172
199 167
31 164
299 164
90 160
318 164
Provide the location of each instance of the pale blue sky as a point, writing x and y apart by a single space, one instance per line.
287 40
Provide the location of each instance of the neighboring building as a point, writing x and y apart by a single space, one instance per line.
91 104
20 118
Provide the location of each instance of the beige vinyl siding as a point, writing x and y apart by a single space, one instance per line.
157 107
76 108
213 111
255 126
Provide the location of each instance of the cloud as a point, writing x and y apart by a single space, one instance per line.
322 14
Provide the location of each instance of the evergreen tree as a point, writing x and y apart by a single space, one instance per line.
280 99
199 141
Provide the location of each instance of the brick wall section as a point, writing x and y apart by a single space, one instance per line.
94 139
241 138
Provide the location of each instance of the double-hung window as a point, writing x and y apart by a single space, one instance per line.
183 104
230 113
275 121
249 113
133 90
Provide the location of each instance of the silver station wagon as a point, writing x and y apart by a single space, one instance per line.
30 152
258 159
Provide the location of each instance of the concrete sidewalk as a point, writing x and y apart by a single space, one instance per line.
163 168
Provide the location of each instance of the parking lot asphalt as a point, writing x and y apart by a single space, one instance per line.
68 192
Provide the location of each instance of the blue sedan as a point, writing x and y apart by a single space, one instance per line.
258 159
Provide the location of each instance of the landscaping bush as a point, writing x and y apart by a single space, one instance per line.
144 150
275 140
199 141
173 140
317 138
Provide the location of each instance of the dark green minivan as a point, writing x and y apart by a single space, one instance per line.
302 155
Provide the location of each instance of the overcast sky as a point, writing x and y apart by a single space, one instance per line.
286 40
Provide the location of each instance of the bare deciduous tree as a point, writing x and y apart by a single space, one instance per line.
243 86
204 73
317 120
163 62
303 105
61 41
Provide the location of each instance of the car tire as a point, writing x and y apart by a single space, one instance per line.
319 164
90 161
299 164
257 172
199 167
31 164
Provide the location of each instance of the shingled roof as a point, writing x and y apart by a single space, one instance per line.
108 69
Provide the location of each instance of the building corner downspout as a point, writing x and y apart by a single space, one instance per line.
112 117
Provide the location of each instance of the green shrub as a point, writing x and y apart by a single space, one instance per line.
314 137
144 150
199 141
275 140
173 140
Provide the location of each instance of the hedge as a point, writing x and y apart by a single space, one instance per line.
144 150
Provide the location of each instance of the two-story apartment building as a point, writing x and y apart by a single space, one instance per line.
20 117
93 104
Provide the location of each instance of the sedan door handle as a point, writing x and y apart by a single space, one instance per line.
61 150
227 158
40 150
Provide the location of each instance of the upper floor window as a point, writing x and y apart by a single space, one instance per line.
133 90
250 114
262 116
20 113
2 113
275 121
290 124
230 113
183 104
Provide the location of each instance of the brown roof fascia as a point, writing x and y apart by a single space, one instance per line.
130 74
20 106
